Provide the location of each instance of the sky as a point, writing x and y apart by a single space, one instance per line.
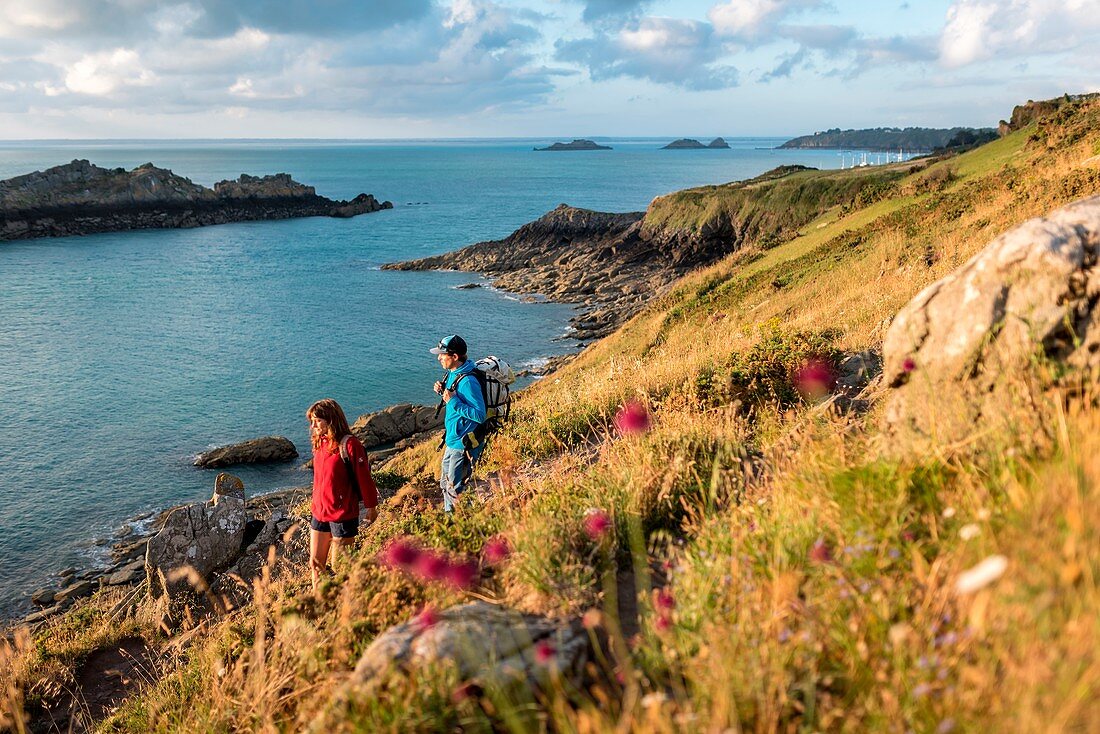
530 68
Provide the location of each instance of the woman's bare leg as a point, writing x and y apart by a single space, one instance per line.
340 548
318 554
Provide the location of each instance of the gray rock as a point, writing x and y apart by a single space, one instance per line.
67 572
124 576
954 351
395 423
42 614
264 450
488 643
42 597
227 485
77 590
196 540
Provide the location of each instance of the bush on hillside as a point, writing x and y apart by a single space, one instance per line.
766 373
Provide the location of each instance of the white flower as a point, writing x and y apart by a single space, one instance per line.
969 531
981 575
949 512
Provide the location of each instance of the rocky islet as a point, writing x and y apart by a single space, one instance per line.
81 198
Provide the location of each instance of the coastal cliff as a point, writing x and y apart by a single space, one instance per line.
81 198
611 265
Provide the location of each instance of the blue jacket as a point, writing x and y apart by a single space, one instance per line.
466 409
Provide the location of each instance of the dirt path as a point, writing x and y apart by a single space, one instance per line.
106 678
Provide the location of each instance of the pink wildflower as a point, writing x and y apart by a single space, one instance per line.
663 623
545 652
908 365
427 618
664 601
400 553
632 418
592 619
431 566
496 550
461 574
815 379
463 692
820 552
596 524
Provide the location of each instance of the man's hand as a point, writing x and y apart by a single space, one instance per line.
438 387
447 395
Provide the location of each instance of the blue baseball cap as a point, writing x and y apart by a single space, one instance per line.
453 344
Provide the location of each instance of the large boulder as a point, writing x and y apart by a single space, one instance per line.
962 350
395 423
197 540
488 644
266 450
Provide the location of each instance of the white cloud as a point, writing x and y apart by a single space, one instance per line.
976 30
683 53
20 16
102 73
754 21
203 55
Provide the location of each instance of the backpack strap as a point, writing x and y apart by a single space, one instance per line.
345 456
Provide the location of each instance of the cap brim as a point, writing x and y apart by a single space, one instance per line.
437 350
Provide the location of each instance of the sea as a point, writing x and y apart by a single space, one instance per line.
123 355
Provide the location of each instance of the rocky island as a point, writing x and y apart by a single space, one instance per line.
692 144
578 144
81 198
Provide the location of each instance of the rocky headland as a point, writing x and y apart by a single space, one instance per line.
610 265
82 198
597 260
888 138
578 144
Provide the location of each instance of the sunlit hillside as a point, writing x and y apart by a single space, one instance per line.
748 552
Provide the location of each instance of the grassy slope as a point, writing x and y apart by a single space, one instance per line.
722 501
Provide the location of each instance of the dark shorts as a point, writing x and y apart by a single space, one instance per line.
345 529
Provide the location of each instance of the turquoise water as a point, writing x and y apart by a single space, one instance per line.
123 355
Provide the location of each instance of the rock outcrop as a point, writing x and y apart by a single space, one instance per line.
487 644
82 198
266 450
684 144
577 144
1025 114
396 423
570 255
956 350
197 540
692 144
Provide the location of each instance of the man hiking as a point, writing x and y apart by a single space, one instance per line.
461 391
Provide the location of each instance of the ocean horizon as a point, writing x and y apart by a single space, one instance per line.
123 355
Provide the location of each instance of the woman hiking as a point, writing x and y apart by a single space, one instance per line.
341 478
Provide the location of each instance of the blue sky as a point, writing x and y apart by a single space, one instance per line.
554 68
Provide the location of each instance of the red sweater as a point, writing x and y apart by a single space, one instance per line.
333 498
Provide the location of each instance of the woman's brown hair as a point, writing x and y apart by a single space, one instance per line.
329 410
